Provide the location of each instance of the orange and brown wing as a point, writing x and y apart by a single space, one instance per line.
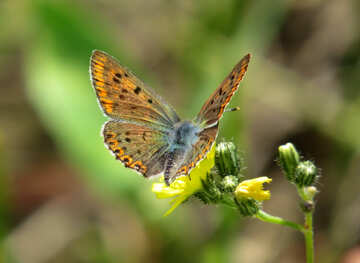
214 107
140 148
200 149
124 97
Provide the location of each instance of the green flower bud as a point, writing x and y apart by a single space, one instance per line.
247 206
226 159
210 192
310 192
229 183
289 159
305 173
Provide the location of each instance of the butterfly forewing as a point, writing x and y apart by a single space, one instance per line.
137 147
214 107
210 114
124 97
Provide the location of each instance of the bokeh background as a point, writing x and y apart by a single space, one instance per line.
64 198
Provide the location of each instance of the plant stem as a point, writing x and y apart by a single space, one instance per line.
309 237
278 220
308 225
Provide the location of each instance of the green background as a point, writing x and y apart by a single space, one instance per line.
65 199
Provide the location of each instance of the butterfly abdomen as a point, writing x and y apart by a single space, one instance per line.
181 141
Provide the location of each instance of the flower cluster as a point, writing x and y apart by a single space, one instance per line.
217 179
303 174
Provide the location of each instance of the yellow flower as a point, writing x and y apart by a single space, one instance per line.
184 187
253 188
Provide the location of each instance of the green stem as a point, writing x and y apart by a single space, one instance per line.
278 220
308 226
309 237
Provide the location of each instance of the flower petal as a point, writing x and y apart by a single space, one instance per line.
253 188
185 186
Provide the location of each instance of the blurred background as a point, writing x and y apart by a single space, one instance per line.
63 196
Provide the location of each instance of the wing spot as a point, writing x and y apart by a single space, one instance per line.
126 159
127 139
138 166
98 80
118 75
126 75
145 133
127 133
220 91
110 135
98 63
183 170
133 107
116 80
138 152
137 90
124 91
121 97
212 102
150 101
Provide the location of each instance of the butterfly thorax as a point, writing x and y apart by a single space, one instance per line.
185 135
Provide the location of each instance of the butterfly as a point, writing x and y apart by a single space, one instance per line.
144 132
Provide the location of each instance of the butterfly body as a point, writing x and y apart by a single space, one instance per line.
182 139
185 135
144 132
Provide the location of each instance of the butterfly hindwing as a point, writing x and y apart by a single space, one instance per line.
137 147
214 107
124 97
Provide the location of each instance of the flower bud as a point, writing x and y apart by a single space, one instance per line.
210 192
229 183
226 159
305 173
289 159
310 192
247 206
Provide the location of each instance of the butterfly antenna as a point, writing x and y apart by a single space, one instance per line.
232 109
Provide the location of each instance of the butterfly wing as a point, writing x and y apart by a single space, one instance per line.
213 108
199 150
138 147
124 97
210 114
